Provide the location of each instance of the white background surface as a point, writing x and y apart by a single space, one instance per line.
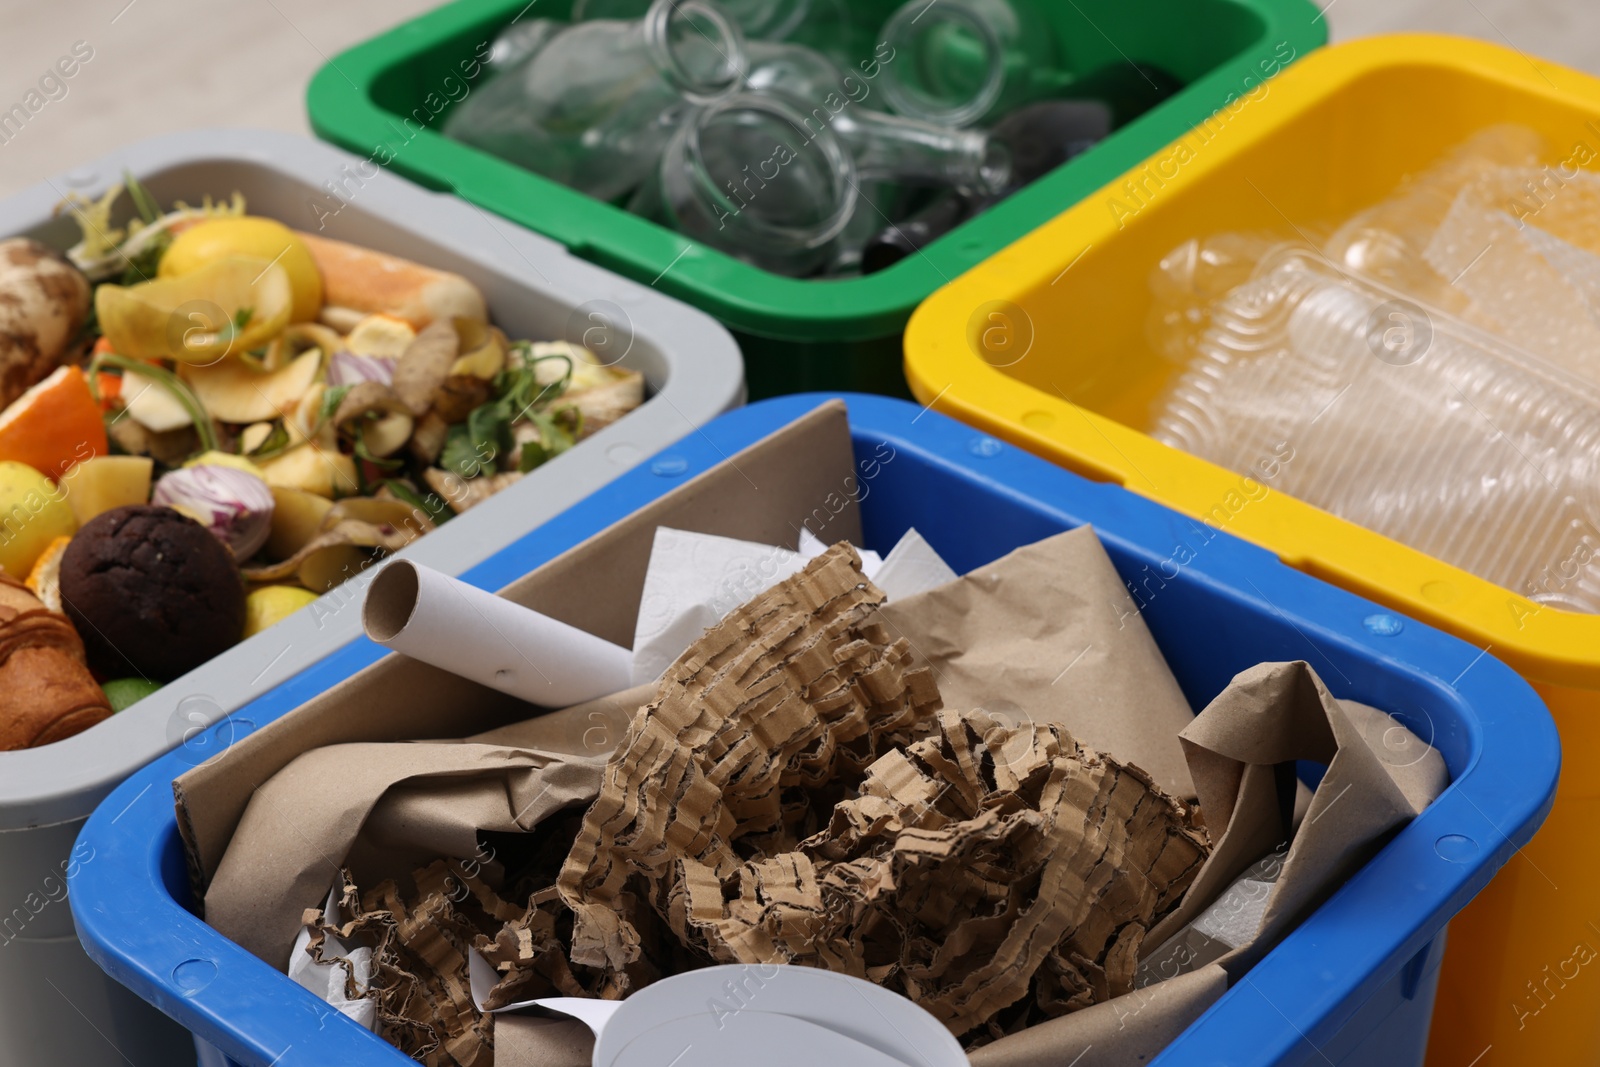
165 65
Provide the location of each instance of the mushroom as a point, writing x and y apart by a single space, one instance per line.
43 304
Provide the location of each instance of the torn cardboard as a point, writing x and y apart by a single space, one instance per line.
750 729
790 796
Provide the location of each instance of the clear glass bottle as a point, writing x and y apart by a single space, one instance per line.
1040 137
520 40
885 147
759 19
593 105
959 62
844 30
749 177
879 205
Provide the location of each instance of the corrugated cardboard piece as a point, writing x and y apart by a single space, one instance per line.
791 794
548 767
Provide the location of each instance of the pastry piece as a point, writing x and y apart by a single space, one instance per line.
43 303
48 691
360 280
153 592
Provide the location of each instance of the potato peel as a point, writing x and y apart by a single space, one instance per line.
425 365
346 533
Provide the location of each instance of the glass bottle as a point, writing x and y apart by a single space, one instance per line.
968 62
759 19
885 147
520 40
844 30
959 62
879 205
749 177
1040 138
593 105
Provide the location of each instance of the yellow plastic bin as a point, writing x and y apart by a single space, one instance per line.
1044 344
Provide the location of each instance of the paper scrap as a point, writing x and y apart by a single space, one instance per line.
693 581
811 546
337 972
911 567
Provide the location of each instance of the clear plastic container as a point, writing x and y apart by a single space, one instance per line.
1403 419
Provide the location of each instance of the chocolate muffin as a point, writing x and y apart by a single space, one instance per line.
151 592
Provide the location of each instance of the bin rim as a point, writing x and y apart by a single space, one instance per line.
341 109
134 928
63 781
1547 644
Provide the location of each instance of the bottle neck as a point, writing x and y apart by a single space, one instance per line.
950 62
696 48
892 148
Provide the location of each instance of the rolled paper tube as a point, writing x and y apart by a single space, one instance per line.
487 639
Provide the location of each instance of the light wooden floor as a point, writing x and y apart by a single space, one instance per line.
164 65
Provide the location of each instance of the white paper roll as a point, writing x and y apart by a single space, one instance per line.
417 611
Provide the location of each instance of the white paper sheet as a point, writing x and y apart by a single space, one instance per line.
326 980
695 579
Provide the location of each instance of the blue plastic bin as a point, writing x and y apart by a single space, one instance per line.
1352 984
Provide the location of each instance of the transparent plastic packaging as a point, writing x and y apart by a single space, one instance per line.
593 104
1529 285
1402 419
1387 242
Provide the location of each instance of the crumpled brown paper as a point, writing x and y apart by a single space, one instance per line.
1048 634
1237 749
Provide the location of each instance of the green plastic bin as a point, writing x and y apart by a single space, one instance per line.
386 100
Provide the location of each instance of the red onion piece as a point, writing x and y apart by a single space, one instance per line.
234 505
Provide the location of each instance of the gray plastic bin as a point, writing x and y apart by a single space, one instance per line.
56 1007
